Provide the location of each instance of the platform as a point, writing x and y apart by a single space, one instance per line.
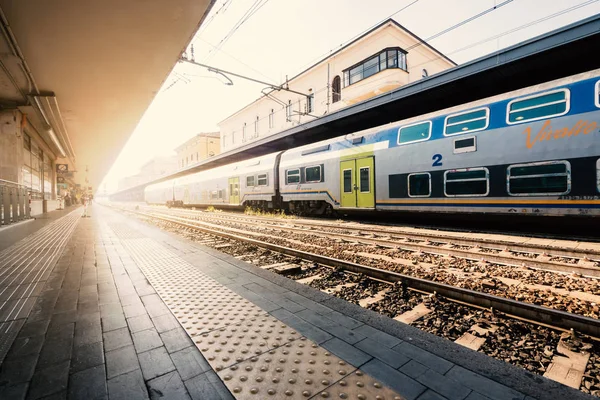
110 307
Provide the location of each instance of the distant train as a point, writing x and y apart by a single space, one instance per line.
530 151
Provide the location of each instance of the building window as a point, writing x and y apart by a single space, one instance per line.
261 180
336 89
310 100
414 133
313 174
470 121
466 182
419 185
533 108
244 132
389 58
292 176
250 181
256 127
288 111
272 119
26 170
541 178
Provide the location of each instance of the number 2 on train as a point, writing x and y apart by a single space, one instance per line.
437 160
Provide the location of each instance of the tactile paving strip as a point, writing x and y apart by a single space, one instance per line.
255 354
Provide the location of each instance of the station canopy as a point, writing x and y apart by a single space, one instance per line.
90 68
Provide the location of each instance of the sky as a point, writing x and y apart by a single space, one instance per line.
284 37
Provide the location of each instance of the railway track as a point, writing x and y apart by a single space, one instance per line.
423 303
583 260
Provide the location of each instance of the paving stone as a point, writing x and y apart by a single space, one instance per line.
146 340
129 386
89 384
346 352
483 385
139 323
87 335
35 328
477 396
168 386
443 385
63 318
107 310
165 323
207 386
426 358
189 362
25 346
413 368
117 339
307 329
397 381
344 320
50 380
17 370
306 302
378 336
87 308
385 354
55 351
156 310
87 356
16 392
112 322
175 340
155 363
431 395
134 310
59 332
121 361
281 314
330 326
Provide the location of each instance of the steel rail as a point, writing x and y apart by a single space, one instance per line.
472 254
583 254
531 312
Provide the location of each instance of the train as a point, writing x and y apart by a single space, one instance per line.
533 151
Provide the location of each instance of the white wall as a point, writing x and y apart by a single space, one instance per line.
315 81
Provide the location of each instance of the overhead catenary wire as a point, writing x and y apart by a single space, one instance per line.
257 5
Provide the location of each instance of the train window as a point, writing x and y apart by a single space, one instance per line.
541 178
414 133
261 180
250 181
465 145
470 121
466 182
597 94
347 181
538 107
313 174
365 180
292 176
419 185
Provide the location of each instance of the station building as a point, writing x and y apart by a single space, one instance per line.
153 169
383 59
200 147
28 158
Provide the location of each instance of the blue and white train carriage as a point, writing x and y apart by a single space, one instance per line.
531 151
